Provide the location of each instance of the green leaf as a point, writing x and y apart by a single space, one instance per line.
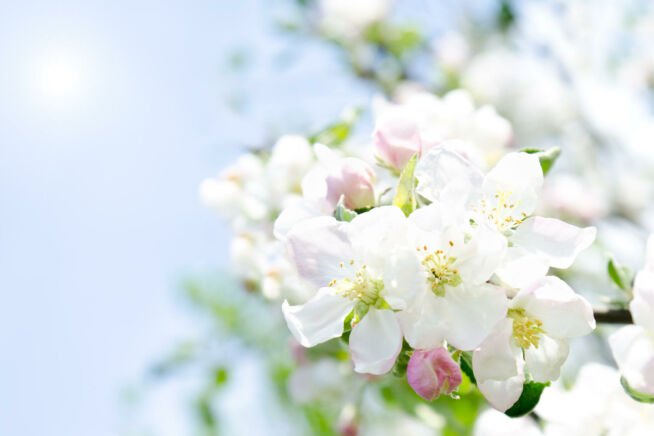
529 398
546 157
335 134
620 274
342 213
402 362
220 376
465 362
638 396
405 195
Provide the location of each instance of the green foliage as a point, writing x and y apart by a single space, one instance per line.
529 398
405 195
636 395
546 157
465 362
335 134
505 16
620 275
402 362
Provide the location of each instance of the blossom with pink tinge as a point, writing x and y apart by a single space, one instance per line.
353 179
396 139
432 373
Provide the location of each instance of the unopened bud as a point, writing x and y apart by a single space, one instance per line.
432 373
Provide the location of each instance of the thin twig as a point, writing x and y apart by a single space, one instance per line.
615 316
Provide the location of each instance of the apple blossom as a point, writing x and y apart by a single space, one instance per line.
396 138
633 345
432 373
362 266
454 303
353 179
533 337
595 405
504 198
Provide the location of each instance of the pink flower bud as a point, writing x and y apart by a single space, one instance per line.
431 373
396 138
352 178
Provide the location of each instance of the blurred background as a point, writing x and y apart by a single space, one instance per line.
111 114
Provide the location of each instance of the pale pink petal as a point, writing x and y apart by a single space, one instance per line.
318 246
433 372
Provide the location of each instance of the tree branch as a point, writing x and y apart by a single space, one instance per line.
616 316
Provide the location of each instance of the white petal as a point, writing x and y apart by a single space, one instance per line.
521 170
520 175
318 246
428 218
520 268
554 240
642 306
425 322
375 342
440 169
544 363
499 367
487 252
382 227
292 215
564 313
493 423
472 312
319 319
633 350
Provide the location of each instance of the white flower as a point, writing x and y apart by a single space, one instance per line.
347 19
364 266
330 178
423 120
540 319
493 423
504 198
595 406
633 345
455 304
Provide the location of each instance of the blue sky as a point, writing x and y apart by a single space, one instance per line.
99 214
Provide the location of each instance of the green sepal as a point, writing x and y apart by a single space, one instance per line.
405 194
545 157
531 392
636 395
342 213
620 275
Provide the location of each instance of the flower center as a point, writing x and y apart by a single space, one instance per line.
362 286
440 269
526 330
500 210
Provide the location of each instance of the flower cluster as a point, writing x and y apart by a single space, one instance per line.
457 262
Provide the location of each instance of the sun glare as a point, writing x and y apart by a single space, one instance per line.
60 78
